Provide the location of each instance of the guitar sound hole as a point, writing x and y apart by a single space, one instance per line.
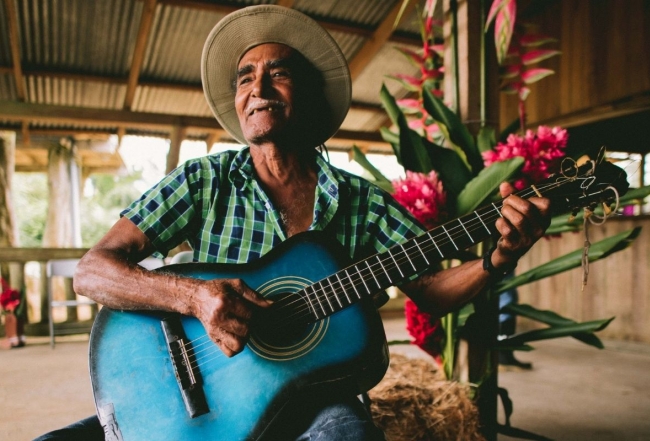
283 325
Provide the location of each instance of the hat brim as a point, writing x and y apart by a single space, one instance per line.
246 28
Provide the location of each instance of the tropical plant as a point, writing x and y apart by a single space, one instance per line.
433 145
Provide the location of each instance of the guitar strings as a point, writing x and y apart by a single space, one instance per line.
207 347
394 261
324 293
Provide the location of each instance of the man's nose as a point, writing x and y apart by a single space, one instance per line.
261 85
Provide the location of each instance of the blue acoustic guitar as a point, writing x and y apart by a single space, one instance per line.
157 376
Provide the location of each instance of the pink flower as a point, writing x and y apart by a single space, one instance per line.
542 153
423 196
9 298
426 331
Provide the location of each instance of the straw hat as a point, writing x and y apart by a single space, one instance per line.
246 28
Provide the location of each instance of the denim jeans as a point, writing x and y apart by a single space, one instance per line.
340 420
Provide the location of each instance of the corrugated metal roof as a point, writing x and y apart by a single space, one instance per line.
79 53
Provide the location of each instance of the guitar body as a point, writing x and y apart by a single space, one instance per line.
136 391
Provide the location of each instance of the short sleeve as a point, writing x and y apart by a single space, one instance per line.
168 212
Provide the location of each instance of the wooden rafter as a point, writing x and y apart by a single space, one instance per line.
285 3
17 71
146 21
112 119
176 139
377 40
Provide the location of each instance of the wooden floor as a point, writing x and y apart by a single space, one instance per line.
573 393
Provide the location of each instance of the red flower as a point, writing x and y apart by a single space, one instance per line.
10 298
423 196
542 152
426 331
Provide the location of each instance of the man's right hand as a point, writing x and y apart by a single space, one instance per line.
225 307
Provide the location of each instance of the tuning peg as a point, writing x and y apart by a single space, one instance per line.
606 209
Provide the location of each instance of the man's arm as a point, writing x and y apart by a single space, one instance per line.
522 224
110 275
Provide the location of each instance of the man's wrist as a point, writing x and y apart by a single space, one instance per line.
496 273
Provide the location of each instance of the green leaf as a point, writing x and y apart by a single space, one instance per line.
555 332
413 154
552 319
485 139
451 169
379 179
486 183
458 134
598 250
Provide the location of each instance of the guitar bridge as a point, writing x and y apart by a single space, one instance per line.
187 373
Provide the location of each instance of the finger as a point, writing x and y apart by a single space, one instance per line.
506 189
229 344
245 292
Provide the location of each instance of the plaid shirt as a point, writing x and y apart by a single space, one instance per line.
218 206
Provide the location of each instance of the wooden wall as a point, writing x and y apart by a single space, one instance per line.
618 285
603 70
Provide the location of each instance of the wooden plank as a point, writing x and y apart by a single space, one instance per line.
146 20
12 22
377 40
8 254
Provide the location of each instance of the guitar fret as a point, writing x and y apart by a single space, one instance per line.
434 242
450 238
479 218
373 276
396 264
409 259
342 289
334 291
422 252
318 299
353 287
363 280
495 207
309 300
466 232
386 272
328 297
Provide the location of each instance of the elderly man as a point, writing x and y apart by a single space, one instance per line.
278 83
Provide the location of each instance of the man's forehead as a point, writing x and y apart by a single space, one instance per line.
268 51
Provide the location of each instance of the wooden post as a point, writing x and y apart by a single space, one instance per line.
13 272
471 86
176 139
60 226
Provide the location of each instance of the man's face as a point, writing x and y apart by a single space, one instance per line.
264 98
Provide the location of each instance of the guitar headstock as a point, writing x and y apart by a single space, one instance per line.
586 186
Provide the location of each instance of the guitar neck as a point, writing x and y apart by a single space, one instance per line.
575 187
400 263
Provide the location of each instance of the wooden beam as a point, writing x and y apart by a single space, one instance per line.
620 107
285 3
176 139
112 119
327 24
39 254
12 22
25 133
14 111
210 141
146 20
377 40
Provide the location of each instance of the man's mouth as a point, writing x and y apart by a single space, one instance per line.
271 107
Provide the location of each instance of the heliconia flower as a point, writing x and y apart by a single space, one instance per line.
426 331
542 152
423 196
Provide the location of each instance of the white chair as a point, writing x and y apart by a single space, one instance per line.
62 268
183 257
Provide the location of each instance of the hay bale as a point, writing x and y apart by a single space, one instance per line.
415 403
